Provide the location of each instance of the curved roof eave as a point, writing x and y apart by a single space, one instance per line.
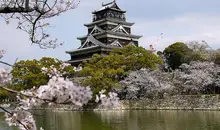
109 20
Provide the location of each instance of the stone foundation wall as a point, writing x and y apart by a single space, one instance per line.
180 102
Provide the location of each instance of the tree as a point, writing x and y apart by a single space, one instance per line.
197 78
198 46
177 54
3 94
216 57
200 51
137 58
32 16
58 90
106 72
194 78
27 74
143 84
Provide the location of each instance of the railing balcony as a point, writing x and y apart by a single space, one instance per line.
110 16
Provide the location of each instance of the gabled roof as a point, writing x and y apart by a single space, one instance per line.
112 5
119 28
95 29
92 40
113 33
108 5
116 43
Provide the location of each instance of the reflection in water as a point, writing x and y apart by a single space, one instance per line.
125 120
70 121
3 124
162 120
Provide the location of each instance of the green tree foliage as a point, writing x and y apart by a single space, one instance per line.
105 72
216 57
3 94
177 54
27 74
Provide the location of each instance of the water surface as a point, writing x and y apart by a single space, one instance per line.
125 120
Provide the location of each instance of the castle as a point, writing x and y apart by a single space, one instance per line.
108 30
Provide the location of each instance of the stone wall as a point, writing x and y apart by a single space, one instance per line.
180 102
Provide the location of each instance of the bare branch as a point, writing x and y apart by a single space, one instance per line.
7 10
32 16
6 63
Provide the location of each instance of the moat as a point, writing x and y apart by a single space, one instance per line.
125 120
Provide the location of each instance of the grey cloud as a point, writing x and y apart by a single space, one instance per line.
185 28
178 20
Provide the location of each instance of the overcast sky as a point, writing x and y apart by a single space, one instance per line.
178 20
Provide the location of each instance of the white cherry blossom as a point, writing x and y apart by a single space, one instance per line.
59 90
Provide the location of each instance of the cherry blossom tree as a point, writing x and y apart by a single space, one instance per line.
198 46
197 78
145 83
193 78
2 52
58 90
32 17
107 101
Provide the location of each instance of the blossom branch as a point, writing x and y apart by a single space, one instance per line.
32 96
32 16
10 113
59 90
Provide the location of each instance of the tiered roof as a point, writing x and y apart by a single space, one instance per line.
112 5
109 22
117 31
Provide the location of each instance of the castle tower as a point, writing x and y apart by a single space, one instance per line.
109 29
